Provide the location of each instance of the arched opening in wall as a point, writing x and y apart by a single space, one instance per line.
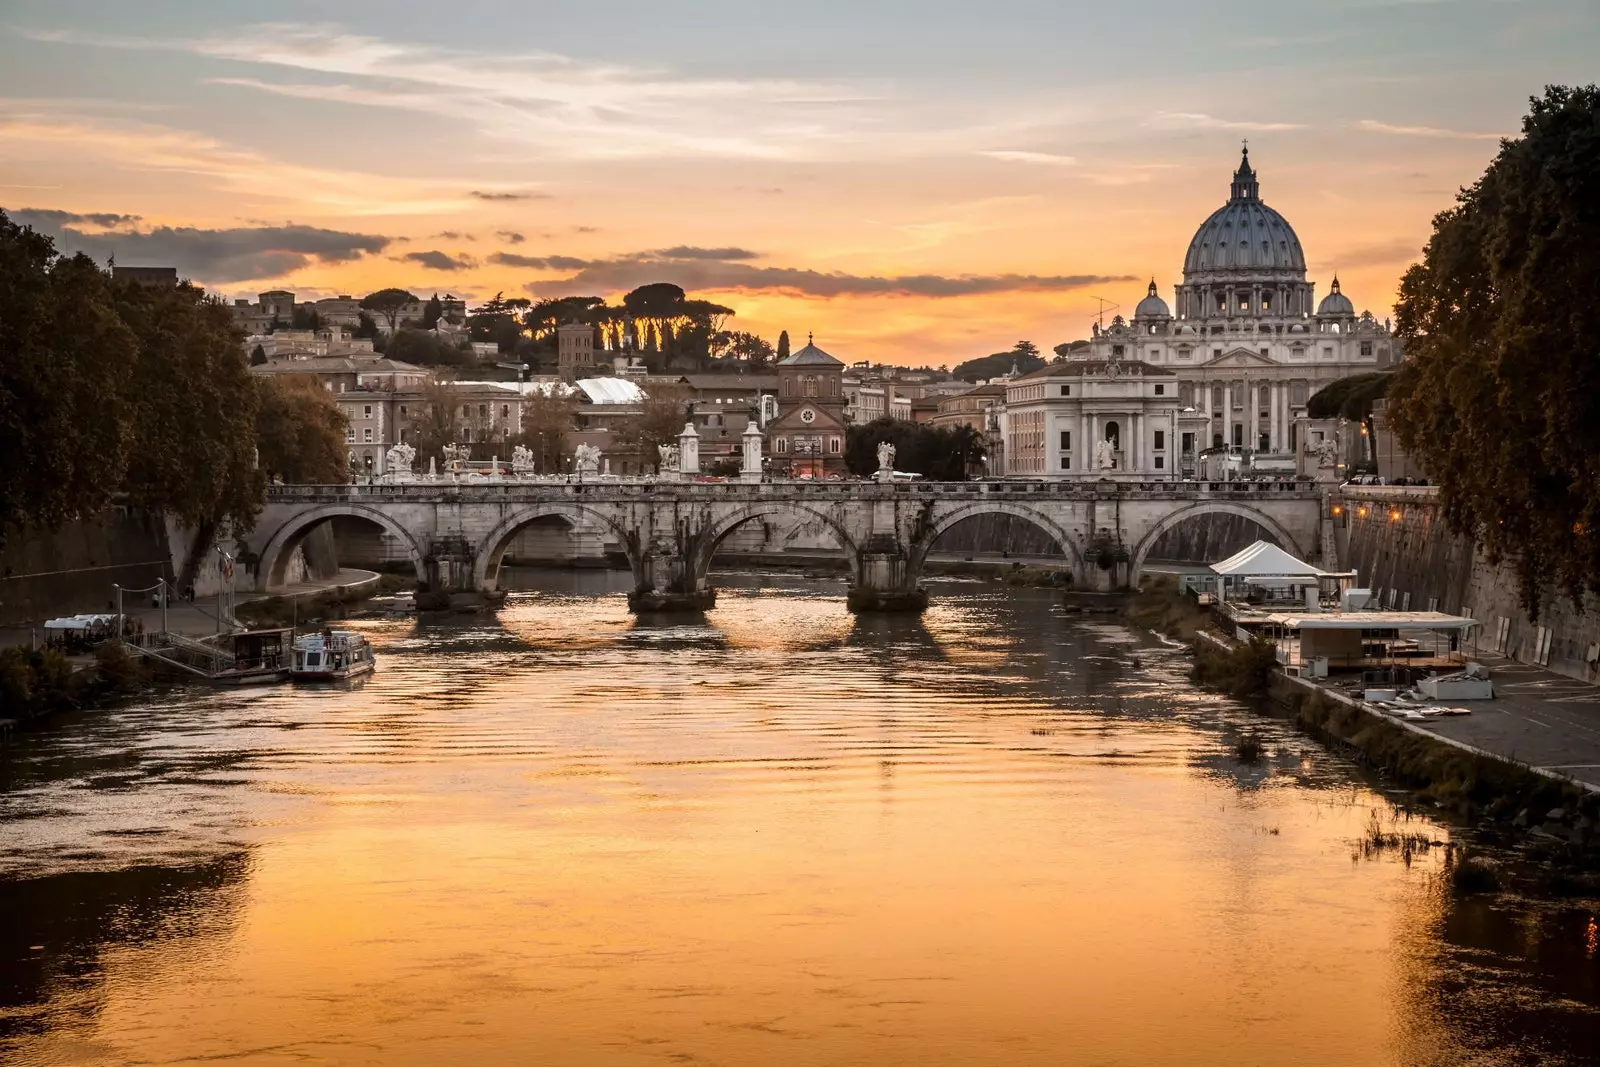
316 551
780 539
997 537
569 554
1209 538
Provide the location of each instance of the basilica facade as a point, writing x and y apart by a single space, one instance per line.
1226 369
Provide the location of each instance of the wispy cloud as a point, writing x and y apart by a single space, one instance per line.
142 146
53 218
510 237
211 256
506 195
1374 126
1040 159
702 273
1195 120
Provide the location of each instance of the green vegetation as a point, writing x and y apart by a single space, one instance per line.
1474 874
1499 396
387 304
424 348
1248 748
938 452
1025 357
1244 671
300 431
39 682
116 390
1161 606
1349 398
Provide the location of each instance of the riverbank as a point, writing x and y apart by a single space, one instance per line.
1484 783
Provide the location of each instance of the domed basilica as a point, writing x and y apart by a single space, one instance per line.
1230 368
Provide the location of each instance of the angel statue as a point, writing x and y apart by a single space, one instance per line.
885 456
669 457
586 458
1105 455
522 460
400 458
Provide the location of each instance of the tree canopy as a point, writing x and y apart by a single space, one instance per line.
300 431
1025 357
943 453
115 390
1499 395
1349 398
388 303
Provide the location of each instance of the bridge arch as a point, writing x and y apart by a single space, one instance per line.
280 547
943 522
492 549
719 529
1274 528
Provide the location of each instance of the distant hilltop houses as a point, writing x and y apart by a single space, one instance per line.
277 307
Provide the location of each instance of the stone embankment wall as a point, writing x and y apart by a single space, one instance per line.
1396 540
71 569
1209 538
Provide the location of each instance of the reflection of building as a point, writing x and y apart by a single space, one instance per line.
1247 347
807 437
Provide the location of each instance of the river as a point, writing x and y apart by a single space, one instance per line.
1000 834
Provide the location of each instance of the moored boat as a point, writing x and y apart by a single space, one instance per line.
331 656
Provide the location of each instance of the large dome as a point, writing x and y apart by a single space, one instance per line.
1244 235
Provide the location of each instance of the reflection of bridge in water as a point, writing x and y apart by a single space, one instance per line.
456 535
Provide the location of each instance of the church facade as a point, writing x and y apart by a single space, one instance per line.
1227 368
808 436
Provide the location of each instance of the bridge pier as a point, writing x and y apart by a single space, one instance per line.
666 582
449 583
886 581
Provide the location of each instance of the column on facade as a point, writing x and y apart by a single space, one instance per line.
1252 392
1227 413
1083 449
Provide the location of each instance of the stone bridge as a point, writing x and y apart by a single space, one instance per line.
457 534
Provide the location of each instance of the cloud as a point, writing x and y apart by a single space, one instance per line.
510 237
1194 120
691 252
41 218
497 196
436 260
1040 159
1374 126
640 268
453 235
219 256
511 259
1374 255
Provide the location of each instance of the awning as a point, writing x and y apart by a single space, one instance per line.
1265 560
1372 620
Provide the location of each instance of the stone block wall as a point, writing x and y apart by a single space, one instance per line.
1400 548
71 569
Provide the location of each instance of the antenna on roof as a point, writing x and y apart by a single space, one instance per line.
1105 306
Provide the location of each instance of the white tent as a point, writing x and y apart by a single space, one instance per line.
1263 560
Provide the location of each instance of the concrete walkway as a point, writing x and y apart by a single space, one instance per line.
1546 720
199 619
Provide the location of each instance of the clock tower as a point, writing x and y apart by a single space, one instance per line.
807 437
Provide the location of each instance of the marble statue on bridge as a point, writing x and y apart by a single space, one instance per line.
398 460
669 459
1105 455
885 461
522 460
586 459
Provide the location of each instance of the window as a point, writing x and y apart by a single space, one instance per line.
833 445
1066 461
1265 352
1066 440
1366 348
1161 389
1216 353
1297 393
1238 435
366 411
1119 350
1066 390
505 411
1155 355
833 387
782 444
1327 351
366 435
1160 440
788 387
466 435
350 435
811 385
466 411
402 411
483 411
1188 444
1161 462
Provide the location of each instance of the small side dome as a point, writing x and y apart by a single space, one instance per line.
1298 327
1187 331
1336 303
1152 306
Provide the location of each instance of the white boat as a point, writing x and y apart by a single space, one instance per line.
331 656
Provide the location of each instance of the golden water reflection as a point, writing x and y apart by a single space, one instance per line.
777 834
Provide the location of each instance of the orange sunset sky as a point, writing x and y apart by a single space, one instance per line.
916 183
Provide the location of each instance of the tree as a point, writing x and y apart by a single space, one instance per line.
305 318
425 348
388 303
783 346
659 421
66 363
432 312
747 348
1499 394
437 420
1351 398
193 403
546 424
1025 357
366 327
258 356
941 453
300 431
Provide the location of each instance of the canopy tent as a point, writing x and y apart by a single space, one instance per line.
1266 560
80 622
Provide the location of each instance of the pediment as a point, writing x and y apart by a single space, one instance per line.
1240 357
791 422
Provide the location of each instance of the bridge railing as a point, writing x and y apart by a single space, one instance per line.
1009 488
